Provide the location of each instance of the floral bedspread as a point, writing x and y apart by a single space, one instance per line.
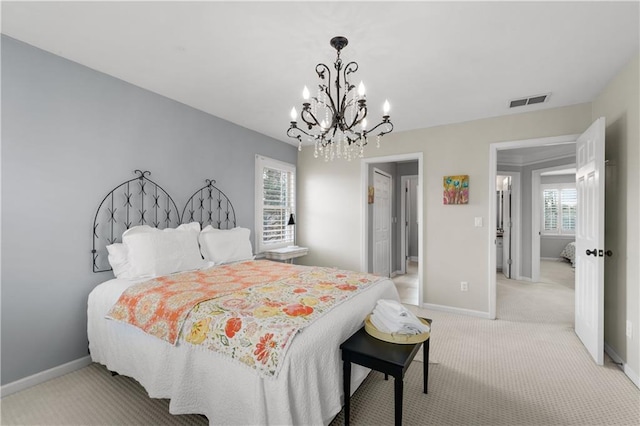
160 306
252 320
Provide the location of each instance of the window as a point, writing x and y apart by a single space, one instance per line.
275 202
559 202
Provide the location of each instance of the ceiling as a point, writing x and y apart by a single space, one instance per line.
436 62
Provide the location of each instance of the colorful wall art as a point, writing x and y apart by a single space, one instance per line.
456 189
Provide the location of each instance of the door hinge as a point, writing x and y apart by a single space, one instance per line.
509 261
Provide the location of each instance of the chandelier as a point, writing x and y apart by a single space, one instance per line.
335 120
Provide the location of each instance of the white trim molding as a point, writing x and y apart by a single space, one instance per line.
632 375
44 376
453 310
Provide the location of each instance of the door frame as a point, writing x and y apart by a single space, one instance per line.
493 168
364 219
403 214
390 240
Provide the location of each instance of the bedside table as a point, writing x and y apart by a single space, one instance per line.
286 254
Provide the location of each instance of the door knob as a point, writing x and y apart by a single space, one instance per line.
592 252
608 253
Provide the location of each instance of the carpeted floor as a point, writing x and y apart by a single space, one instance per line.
526 368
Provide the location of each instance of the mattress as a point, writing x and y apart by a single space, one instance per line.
308 389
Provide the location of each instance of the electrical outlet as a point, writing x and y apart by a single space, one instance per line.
464 286
629 329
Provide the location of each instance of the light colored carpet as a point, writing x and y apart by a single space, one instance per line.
407 284
558 272
512 371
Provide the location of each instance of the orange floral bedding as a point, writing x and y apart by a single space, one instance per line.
249 311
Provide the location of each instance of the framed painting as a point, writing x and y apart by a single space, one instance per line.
456 189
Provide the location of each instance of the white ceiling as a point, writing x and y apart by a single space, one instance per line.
437 63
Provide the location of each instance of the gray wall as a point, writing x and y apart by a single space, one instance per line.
69 135
551 247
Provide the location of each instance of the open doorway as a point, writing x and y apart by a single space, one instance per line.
588 296
522 157
405 237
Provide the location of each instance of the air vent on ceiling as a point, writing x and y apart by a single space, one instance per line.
537 99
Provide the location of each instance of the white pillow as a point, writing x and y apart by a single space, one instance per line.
224 246
152 252
119 261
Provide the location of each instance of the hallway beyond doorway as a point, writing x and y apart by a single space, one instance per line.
407 284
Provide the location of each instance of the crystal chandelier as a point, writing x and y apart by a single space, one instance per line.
335 119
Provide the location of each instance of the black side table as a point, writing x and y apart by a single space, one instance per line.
387 358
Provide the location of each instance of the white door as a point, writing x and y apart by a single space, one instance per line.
506 226
590 240
381 224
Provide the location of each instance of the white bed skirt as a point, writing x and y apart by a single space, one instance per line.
307 391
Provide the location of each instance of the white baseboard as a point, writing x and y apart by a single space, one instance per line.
414 258
461 311
395 273
632 375
43 376
527 279
551 258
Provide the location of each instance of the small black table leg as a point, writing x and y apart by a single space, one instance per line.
425 366
398 397
386 376
346 377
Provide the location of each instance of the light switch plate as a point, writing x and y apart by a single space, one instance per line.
478 222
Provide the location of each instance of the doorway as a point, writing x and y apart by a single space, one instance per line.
397 166
525 245
589 232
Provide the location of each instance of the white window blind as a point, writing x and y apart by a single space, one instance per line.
275 202
569 201
559 203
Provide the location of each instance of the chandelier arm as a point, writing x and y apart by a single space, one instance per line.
357 119
303 115
326 87
385 120
292 128
351 67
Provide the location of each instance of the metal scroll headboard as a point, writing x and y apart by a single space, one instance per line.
210 206
138 201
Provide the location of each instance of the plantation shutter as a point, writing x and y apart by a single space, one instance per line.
278 204
275 202
569 201
551 210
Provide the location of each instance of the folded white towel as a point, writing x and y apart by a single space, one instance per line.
391 306
391 317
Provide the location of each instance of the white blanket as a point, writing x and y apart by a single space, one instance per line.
307 391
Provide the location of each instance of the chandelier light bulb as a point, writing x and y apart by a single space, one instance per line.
305 93
323 124
361 89
364 123
386 107
294 114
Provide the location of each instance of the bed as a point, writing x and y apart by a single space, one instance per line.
569 253
306 385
